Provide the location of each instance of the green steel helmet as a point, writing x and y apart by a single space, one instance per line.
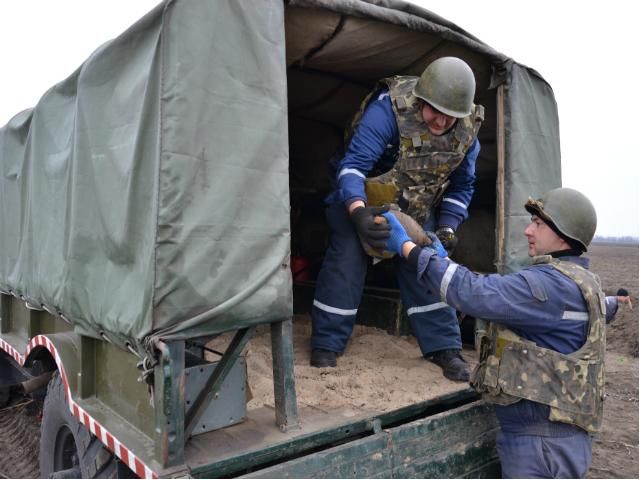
570 212
448 85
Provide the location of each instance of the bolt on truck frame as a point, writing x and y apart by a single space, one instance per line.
153 200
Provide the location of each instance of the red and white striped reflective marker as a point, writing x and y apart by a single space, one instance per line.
141 469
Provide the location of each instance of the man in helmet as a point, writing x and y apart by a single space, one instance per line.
541 362
413 144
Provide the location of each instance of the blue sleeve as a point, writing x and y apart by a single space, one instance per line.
377 129
517 300
455 202
611 304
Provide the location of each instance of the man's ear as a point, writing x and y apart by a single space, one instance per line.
563 243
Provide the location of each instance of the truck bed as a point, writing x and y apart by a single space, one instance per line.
453 433
381 385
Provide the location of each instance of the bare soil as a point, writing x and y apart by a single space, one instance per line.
615 449
380 372
19 440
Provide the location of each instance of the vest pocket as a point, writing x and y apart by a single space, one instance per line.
432 163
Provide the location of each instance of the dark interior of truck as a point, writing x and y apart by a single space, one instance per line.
333 62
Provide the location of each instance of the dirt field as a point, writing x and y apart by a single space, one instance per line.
19 441
615 449
363 382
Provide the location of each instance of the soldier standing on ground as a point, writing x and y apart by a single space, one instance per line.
413 143
542 360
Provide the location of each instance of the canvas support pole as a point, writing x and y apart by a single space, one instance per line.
500 183
283 375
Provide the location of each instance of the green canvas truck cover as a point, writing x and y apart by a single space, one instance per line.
147 195
148 192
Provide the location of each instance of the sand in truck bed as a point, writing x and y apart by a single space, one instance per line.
377 372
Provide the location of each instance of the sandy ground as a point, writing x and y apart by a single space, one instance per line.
381 372
378 372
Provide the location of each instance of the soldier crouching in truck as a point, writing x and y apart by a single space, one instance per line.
542 361
416 140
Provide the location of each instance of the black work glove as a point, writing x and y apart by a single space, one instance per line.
447 237
373 233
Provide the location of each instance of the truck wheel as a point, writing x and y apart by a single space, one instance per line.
67 448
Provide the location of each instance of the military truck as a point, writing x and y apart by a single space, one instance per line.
158 197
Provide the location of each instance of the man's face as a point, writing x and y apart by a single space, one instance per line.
541 239
437 122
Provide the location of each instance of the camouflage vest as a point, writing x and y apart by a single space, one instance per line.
512 368
425 161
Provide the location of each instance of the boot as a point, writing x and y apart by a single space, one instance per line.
323 358
452 364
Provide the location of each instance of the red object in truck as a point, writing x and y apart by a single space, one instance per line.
301 268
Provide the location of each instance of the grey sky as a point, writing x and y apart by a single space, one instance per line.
585 50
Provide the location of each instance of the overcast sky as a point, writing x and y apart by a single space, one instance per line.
585 50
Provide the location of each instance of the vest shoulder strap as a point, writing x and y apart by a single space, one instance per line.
588 282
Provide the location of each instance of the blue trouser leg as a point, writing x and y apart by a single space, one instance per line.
434 323
533 456
339 285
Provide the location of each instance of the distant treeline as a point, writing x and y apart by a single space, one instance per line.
627 240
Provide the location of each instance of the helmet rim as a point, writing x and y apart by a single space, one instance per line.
584 226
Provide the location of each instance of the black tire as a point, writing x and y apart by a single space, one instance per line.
67 448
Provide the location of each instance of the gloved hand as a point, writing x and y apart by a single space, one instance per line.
370 232
623 297
437 245
398 234
448 237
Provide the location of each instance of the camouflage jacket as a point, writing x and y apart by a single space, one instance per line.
421 174
572 385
